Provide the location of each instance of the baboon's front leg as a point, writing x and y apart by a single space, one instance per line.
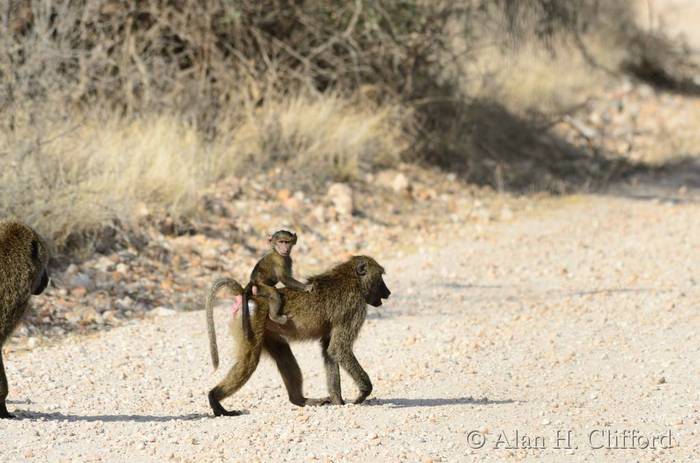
4 389
342 352
332 374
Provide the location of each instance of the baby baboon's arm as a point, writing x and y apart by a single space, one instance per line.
290 282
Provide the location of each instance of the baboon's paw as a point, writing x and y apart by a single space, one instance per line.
318 402
229 413
280 319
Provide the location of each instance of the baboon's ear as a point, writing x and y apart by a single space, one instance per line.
294 238
269 238
361 268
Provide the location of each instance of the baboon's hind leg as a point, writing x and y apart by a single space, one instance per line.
4 389
289 369
236 377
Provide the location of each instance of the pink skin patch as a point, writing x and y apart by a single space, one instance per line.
237 304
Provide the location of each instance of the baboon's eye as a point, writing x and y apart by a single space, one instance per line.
35 250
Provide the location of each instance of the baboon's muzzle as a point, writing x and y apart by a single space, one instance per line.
41 283
381 292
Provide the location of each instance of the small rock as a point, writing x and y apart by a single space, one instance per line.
164 311
103 264
81 280
396 181
141 210
341 196
124 303
319 213
661 380
78 292
400 183
284 194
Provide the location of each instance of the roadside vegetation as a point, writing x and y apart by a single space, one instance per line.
109 106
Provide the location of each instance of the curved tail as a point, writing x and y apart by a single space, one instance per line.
211 298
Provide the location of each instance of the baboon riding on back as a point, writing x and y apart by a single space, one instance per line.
333 312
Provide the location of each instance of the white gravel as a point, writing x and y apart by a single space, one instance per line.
580 318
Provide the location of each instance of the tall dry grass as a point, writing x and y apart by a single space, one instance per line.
329 136
532 78
77 177
106 105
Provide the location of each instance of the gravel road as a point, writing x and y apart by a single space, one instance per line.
578 321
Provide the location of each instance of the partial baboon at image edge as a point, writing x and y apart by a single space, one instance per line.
23 259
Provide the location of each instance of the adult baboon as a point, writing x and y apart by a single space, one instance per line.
333 312
23 273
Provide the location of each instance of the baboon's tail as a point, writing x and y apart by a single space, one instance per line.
245 316
211 297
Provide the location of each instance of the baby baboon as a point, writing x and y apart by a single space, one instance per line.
333 312
23 260
275 266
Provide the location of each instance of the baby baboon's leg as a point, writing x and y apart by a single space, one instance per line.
275 306
342 352
237 376
3 389
289 369
332 374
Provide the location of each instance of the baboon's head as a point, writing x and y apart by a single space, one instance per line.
39 254
370 274
283 241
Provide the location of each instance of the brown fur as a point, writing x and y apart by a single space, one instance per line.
23 260
333 312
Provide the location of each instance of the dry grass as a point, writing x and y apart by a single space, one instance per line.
97 173
328 137
77 179
68 178
532 77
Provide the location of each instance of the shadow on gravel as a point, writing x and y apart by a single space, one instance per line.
453 285
107 418
606 291
437 402
675 182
